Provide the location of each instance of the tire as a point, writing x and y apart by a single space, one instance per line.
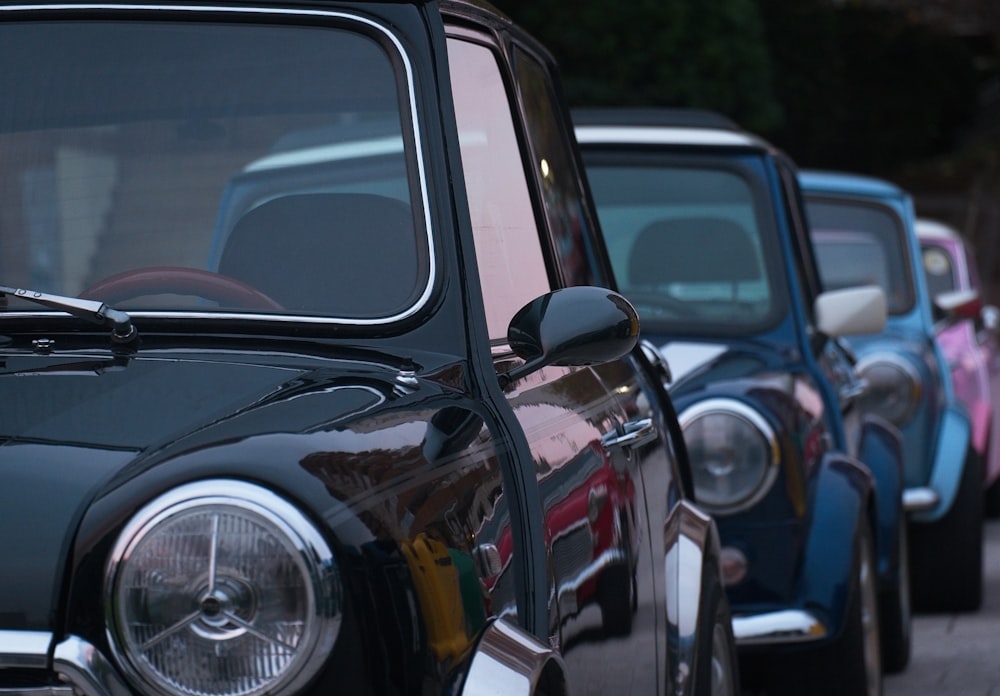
991 501
947 555
617 597
852 663
895 613
717 672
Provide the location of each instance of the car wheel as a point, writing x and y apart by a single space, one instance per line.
852 663
895 614
991 503
947 555
717 672
616 594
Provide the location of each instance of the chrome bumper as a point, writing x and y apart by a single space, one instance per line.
920 499
778 627
78 665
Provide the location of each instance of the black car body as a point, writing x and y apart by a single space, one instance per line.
315 387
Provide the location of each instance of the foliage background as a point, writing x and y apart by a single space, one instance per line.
883 87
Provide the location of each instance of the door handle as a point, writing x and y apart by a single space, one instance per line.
631 434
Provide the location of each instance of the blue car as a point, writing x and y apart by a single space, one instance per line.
864 231
706 232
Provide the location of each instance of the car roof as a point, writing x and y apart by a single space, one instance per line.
629 116
847 182
653 126
927 228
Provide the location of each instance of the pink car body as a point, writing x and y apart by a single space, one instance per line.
966 330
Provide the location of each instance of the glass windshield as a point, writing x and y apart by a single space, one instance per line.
860 244
197 166
691 241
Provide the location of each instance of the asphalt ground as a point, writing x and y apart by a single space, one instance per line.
958 653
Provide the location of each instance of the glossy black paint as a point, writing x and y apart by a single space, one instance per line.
539 469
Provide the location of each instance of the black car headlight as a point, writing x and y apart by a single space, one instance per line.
221 588
893 387
733 452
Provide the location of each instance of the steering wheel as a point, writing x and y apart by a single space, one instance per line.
175 280
662 303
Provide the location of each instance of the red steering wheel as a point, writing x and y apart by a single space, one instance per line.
175 280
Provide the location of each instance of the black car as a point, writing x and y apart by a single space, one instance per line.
308 380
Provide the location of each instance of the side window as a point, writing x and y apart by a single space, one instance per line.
556 169
508 250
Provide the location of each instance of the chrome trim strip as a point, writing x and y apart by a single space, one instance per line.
24 649
421 165
38 691
920 499
662 135
508 660
90 673
777 627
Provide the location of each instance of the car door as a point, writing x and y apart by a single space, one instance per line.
604 478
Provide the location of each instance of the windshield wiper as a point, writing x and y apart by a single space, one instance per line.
122 328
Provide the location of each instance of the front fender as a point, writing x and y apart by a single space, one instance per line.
950 448
841 491
509 660
881 451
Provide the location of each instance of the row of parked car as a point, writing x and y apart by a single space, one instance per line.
337 355
833 368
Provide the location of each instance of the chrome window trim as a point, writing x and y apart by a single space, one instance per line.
748 413
425 295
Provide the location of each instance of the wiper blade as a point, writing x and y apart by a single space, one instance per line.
122 328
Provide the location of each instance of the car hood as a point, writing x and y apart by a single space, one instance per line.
698 364
69 426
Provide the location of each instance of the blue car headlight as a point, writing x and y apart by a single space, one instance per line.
221 588
893 387
733 451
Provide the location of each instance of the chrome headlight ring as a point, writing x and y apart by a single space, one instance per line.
733 451
893 387
221 588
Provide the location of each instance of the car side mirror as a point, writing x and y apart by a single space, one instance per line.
957 305
858 310
582 325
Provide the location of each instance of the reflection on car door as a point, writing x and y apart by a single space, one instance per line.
594 443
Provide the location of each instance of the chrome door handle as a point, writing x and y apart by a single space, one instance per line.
631 434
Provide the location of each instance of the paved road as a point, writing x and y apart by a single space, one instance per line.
958 653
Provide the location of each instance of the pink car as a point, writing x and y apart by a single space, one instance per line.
966 330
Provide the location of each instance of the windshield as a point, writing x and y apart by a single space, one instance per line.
938 269
194 166
691 241
861 244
